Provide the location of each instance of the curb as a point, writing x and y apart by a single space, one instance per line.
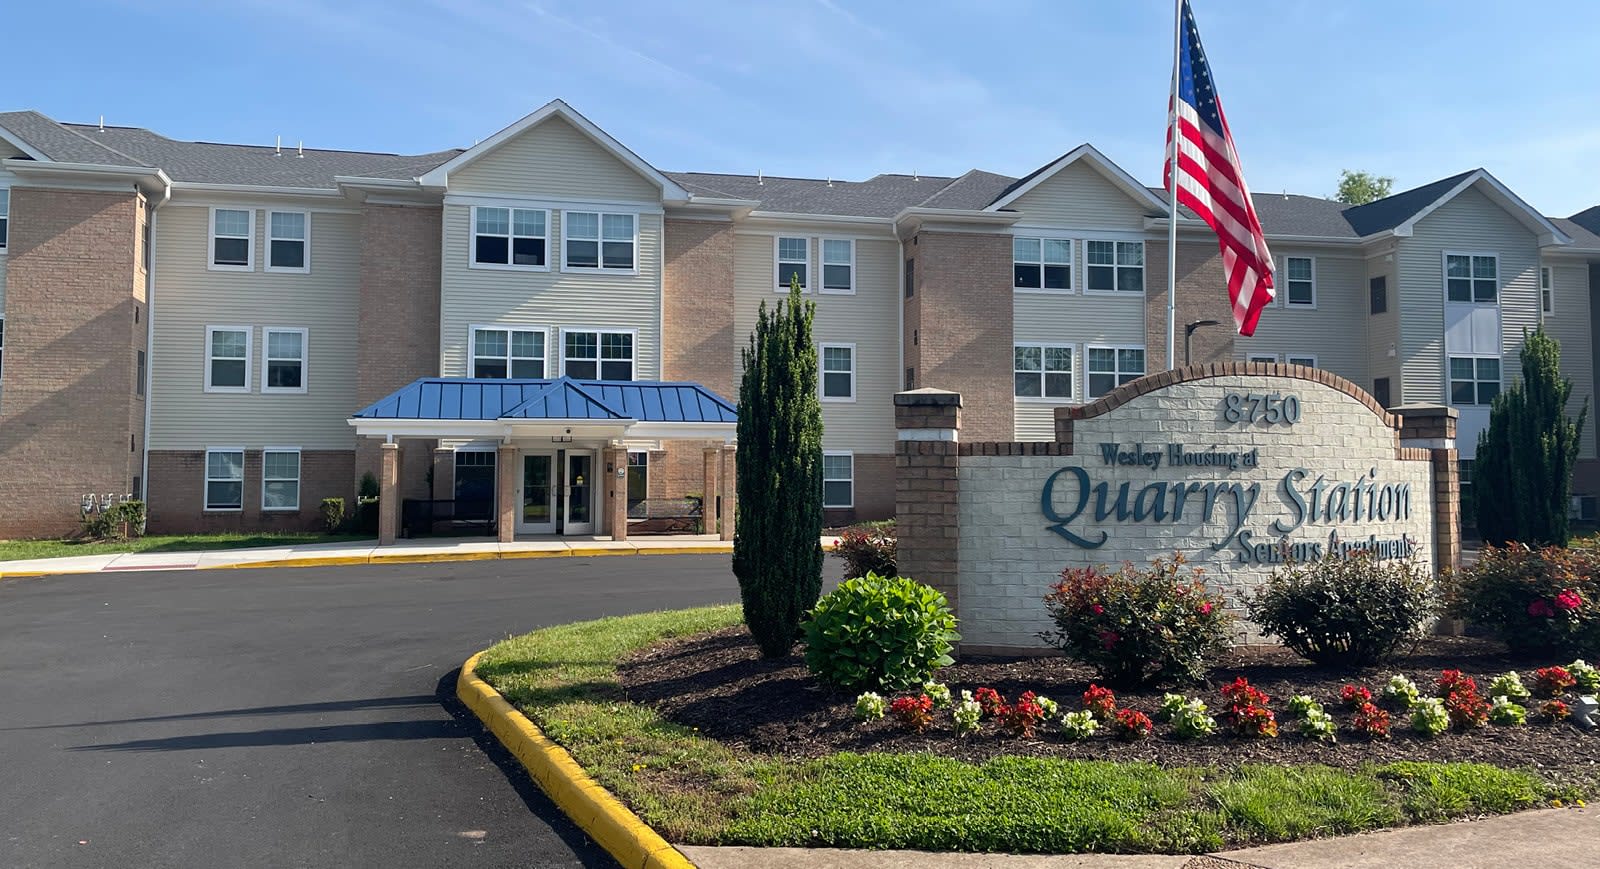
593 808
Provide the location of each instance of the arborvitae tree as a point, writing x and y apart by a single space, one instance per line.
777 555
1522 476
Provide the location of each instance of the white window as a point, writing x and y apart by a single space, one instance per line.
280 478
1042 371
597 355
501 352
5 216
794 256
225 479
1547 292
1110 367
1472 278
1269 358
598 241
1307 361
838 265
838 372
1300 282
1041 264
1114 266
1474 380
838 480
510 237
227 359
283 366
233 233
288 241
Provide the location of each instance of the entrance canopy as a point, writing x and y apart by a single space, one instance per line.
435 407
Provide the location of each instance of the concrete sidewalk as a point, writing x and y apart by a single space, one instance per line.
1547 838
369 552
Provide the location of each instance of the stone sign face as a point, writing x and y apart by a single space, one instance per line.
1240 474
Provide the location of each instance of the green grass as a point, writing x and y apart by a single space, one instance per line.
17 550
695 790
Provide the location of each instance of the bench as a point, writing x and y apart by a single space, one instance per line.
665 515
420 517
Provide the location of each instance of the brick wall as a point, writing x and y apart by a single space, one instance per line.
1202 295
68 420
874 492
697 338
177 496
963 319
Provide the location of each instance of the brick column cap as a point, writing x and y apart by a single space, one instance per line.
1425 411
927 396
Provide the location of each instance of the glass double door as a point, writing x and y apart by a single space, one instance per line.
556 493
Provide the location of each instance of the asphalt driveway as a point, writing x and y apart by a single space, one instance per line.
288 717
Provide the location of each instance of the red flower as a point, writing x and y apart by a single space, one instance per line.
989 700
1568 600
1205 608
1355 695
914 712
1132 725
1109 638
1100 702
1552 681
1541 609
1098 609
1371 722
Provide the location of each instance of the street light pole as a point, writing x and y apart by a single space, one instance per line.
1188 335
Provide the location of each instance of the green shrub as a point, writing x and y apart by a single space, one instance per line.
332 514
369 486
118 522
1544 601
868 549
1344 612
1139 626
877 632
365 520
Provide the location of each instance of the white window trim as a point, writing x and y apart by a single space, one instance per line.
1123 294
1287 357
1450 381
1088 395
600 240
599 374
822 274
1043 345
827 479
249 348
1444 276
250 248
855 364
508 328
303 270
1072 265
1284 298
300 471
266 360
1547 290
206 480
511 237
779 285
6 214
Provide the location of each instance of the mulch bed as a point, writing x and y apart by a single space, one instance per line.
719 683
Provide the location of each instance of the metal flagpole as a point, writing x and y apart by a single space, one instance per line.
1172 192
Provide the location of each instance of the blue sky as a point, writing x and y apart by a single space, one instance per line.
1415 89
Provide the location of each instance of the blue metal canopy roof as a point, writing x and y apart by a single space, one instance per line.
489 399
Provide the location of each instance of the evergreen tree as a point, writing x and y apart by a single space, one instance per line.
1522 476
777 555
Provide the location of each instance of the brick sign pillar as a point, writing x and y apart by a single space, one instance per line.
927 466
728 474
505 492
711 495
1433 428
389 495
617 492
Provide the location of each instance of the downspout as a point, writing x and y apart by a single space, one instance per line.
149 350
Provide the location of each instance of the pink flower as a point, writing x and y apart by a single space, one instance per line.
1098 609
1109 638
1568 600
1541 608
1205 608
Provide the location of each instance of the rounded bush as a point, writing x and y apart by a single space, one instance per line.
1538 601
1344 612
877 632
868 548
1139 626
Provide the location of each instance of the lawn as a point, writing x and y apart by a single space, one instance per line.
17 550
695 790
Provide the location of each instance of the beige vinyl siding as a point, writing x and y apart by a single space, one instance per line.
1470 222
1383 330
1077 319
552 299
1079 196
189 297
869 319
554 159
1334 331
1570 325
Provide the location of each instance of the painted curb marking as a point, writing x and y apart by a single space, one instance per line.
593 808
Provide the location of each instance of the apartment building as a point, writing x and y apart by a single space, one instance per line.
235 332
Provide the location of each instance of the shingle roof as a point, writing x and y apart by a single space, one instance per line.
484 400
1391 211
1584 236
1589 219
60 143
879 196
971 192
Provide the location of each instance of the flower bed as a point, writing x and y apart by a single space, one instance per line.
719 684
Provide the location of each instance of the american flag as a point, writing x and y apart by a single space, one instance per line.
1211 182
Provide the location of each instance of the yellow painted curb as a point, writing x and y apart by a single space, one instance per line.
430 557
588 551
631 841
536 553
708 549
308 561
31 574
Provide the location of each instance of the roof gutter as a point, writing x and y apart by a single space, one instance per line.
155 180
